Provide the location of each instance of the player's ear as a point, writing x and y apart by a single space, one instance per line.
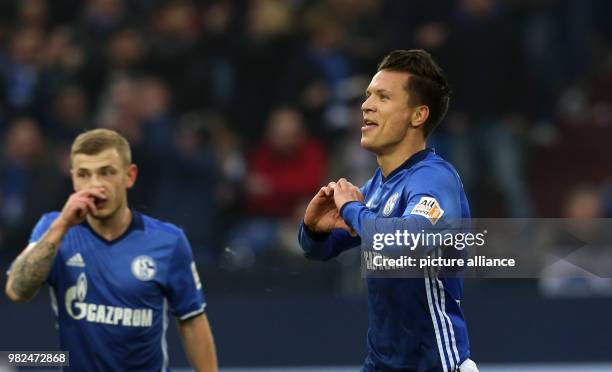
132 174
419 116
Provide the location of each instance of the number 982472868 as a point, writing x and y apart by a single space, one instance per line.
35 358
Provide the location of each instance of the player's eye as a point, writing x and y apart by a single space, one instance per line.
82 175
107 172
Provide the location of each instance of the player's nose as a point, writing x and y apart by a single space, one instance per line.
95 182
367 105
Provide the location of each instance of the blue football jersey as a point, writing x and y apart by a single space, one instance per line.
111 299
415 324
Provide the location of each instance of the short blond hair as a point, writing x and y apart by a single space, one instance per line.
95 141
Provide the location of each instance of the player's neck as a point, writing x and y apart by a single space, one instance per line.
113 227
391 160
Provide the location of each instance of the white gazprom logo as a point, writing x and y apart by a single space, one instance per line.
78 293
143 268
390 204
78 309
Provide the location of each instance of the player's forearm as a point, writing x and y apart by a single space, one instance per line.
315 245
325 246
32 266
366 223
199 343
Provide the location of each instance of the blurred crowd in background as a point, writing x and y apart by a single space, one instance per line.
238 111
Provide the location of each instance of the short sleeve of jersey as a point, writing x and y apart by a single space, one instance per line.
39 230
434 194
184 286
42 226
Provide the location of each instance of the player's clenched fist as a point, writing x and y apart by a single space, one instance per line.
79 205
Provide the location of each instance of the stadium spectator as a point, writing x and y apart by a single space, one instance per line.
262 46
20 69
100 19
69 114
189 169
485 125
316 73
578 265
62 63
285 168
32 13
25 165
283 171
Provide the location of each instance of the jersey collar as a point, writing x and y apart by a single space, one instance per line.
137 223
415 158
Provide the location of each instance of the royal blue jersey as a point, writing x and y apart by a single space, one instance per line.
112 298
415 324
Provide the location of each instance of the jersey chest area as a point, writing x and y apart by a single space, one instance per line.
132 274
387 199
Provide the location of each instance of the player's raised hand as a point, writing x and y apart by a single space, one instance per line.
345 192
79 204
321 215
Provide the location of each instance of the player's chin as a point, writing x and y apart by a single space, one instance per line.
366 143
102 213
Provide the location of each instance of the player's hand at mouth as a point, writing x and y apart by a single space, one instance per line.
79 204
99 197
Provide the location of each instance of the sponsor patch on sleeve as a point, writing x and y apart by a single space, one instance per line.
429 208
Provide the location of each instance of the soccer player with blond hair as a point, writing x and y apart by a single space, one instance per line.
115 274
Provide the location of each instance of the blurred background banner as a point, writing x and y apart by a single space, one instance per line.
238 111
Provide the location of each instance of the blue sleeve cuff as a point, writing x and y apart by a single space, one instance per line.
315 236
350 214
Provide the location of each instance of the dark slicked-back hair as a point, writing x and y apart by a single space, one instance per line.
426 84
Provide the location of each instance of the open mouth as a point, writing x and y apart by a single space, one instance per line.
368 124
99 203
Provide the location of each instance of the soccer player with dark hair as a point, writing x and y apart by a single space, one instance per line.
415 324
114 273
